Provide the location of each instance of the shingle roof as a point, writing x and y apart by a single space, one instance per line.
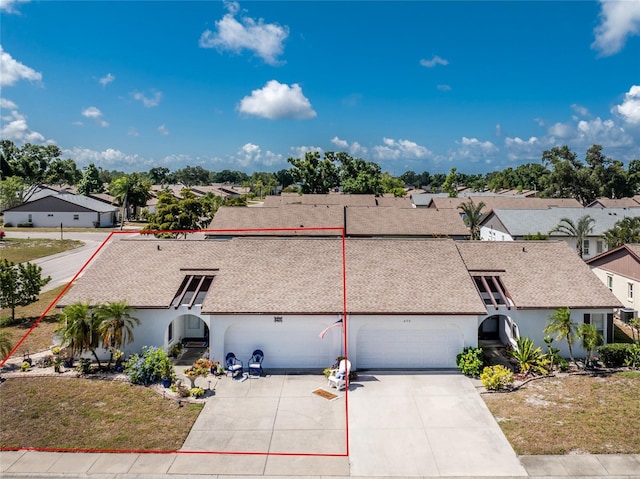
305 276
539 274
285 275
82 201
360 221
290 216
614 203
372 221
328 199
522 222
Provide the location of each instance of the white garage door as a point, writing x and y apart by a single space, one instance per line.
408 348
292 348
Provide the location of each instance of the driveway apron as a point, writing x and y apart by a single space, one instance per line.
424 424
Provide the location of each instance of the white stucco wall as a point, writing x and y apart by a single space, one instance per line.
53 220
620 288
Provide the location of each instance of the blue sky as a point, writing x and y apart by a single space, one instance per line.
417 85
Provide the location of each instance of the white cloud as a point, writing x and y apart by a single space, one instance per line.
436 60
354 149
163 130
105 80
132 131
629 110
95 114
252 155
12 71
474 150
300 151
7 6
619 19
599 132
108 159
561 130
7 104
580 110
15 128
519 149
265 40
444 87
277 101
340 143
400 149
498 129
148 101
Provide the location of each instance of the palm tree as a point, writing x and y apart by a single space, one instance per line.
590 340
580 230
115 324
562 326
627 230
5 344
472 217
79 330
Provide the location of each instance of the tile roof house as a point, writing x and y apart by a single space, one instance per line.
510 224
64 209
405 303
619 270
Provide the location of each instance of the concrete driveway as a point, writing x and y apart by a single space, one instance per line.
423 424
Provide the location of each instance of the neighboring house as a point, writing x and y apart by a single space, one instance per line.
632 202
405 303
619 270
357 221
337 199
509 225
64 209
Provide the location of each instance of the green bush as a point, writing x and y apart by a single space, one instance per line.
148 367
633 358
470 361
615 355
25 225
496 378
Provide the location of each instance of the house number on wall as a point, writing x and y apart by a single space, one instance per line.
277 319
406 320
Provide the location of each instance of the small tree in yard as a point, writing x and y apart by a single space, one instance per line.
20 284
590 340
79 329
561 324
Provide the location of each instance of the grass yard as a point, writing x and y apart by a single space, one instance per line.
572 414
19 250
58 412
26 316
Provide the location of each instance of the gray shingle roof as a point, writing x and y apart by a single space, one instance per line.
522 222
539 274
298 275
405 222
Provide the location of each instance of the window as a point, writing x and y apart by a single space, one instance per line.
30 218
630 291
585 247
76 217
598 321
599 247
193 290
170 338
610 282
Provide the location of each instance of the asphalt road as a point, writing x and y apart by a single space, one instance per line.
62 267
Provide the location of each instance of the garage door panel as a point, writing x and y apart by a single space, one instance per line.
293 348
408 348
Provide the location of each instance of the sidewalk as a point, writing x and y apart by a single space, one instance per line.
31 464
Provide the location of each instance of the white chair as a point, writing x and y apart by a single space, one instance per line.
339 378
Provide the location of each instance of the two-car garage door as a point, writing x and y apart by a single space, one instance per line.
379 348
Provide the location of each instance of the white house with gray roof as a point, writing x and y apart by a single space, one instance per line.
511 224
67 209
404 303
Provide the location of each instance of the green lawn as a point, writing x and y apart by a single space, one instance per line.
19 250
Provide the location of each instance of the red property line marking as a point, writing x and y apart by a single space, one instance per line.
230 453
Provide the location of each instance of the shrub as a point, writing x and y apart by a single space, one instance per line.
148 367
530 359
470 361
25 366
614 355
8 224
196 392
25 225
496 378
633 358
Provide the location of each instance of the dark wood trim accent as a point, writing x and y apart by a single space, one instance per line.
195 293
183 292
488 290
609 328
586 318
498 286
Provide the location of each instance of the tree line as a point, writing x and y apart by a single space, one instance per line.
559 174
